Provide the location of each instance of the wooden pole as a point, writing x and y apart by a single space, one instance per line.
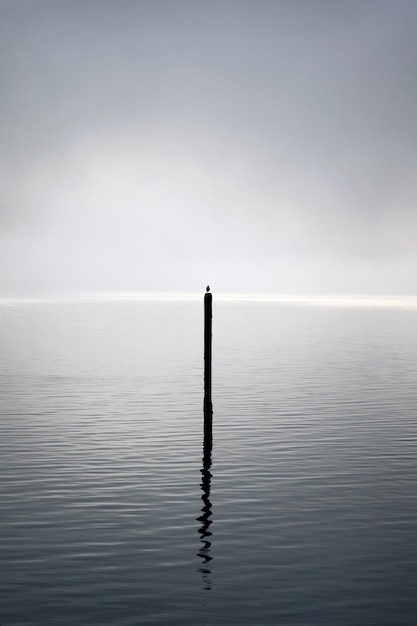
208 407
204 518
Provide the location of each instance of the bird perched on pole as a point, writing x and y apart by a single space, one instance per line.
208 288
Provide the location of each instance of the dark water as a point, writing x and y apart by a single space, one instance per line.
308 513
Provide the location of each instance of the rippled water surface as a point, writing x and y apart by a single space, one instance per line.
307 514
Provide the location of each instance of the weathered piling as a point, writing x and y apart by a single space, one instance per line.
208 407
204 518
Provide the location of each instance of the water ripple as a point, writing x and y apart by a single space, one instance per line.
306 513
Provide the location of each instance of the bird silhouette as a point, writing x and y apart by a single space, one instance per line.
208 288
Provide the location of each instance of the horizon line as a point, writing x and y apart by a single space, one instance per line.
341 299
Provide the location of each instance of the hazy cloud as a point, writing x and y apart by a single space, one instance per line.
158 145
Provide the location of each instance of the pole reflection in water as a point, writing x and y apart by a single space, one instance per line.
204 518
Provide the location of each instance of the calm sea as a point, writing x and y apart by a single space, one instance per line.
308 512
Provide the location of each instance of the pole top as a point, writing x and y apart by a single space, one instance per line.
208 288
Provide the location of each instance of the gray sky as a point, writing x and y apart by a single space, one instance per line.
261 146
